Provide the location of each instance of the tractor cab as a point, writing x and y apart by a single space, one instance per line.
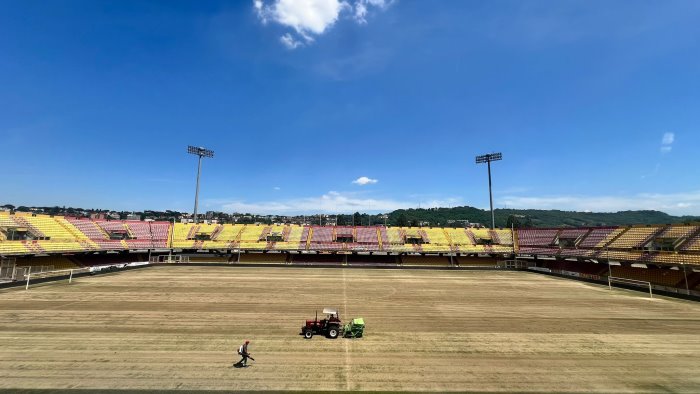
330 326
332 315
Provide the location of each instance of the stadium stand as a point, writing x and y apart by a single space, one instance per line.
536 237
88 228
323 238
51 228
24 234
610 237
436 240
13 248
21 221
575 234
229 233
502 236
461 240
251 238
595 237
538 241
291 237
634 237
181 236
396 243
678 232
693 243
366 239
159 233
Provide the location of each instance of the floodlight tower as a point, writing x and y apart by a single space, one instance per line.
201 152
488 158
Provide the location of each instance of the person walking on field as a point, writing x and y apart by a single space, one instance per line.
243 352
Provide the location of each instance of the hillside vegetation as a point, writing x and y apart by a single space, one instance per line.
532 217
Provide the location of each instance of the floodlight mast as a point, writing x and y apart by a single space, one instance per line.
488 158
201 152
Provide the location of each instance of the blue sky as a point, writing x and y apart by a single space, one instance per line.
594 104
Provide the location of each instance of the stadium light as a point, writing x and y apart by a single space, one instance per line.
201 152
488 158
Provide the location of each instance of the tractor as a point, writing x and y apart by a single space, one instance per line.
330 326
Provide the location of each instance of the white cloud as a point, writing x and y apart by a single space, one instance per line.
674 203
332 202
276 188
309 18
360 13
363 180
361 8
290 42
668 138
667 142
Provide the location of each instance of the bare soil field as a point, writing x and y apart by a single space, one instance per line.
178 328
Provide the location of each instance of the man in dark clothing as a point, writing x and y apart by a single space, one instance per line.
243 352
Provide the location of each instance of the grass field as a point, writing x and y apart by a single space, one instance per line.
177 327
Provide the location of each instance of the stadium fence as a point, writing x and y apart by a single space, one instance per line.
169 258
515 264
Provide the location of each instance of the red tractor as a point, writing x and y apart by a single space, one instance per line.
330 326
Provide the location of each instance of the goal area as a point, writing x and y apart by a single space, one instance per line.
631 282
37 276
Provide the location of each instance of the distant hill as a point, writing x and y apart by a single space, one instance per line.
533 217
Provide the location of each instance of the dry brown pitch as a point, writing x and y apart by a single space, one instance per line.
177 327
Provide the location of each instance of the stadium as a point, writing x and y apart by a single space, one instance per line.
406 196
144 306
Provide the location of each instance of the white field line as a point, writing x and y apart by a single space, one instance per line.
346 342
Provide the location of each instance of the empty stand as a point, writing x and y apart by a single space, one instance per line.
595 237
634 237
43 234
536 237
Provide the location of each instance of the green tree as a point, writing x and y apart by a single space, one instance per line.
357 219
518 221
402 221
342 220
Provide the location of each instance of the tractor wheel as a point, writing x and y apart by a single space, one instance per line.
308 334
333 332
